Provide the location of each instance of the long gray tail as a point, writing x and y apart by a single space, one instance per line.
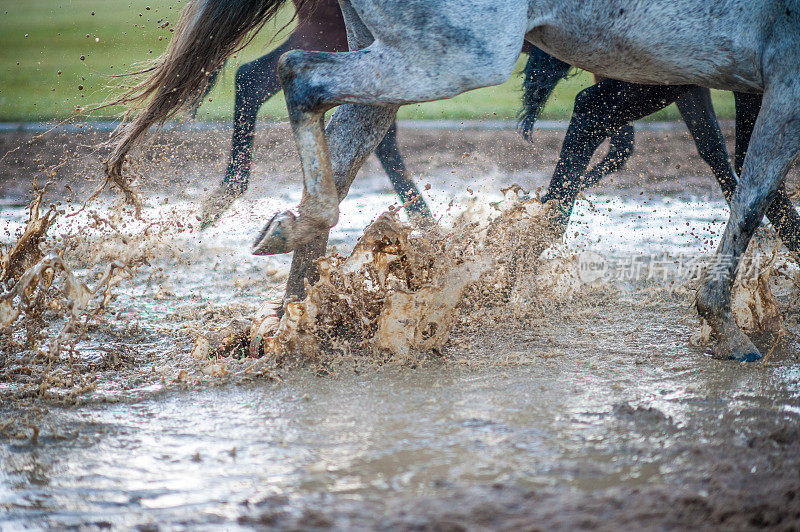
208 32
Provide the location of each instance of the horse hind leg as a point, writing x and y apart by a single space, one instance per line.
314 82
599 111
773 147
620 149
389 156
347 156
256 82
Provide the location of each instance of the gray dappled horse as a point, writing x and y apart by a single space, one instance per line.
410 51
320 26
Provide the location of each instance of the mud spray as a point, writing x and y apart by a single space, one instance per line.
58 277
396 298
400 293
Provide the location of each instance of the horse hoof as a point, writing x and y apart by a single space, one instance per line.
735 345
276 237
747 357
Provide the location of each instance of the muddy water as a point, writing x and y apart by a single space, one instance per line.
606 417
214 456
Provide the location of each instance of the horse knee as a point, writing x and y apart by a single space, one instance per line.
304 95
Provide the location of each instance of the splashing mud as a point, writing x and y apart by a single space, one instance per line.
765 267
396 297
556 397
58 277
39 286
398 291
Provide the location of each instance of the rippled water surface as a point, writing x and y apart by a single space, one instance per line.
621 405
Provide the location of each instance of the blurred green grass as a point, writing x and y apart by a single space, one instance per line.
42 43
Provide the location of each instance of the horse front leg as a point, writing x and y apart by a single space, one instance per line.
774 145
697 112
781 211
352 135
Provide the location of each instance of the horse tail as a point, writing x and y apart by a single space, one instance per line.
210 84
541 75
208 32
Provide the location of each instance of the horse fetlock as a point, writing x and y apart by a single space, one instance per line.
558 215
280 235
712 303
731 342
320 211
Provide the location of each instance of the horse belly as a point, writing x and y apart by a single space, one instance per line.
656 47
718 68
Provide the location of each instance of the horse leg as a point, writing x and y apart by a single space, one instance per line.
774 145
392 71
697 111
346 159
781 212
541 75
599 111
391 160
747 108
256 82
620 149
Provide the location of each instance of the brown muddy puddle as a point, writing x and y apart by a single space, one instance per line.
592 413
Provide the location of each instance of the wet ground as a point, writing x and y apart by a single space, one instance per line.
593 412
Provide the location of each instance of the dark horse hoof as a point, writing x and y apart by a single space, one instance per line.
747 357
276 237
215 204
